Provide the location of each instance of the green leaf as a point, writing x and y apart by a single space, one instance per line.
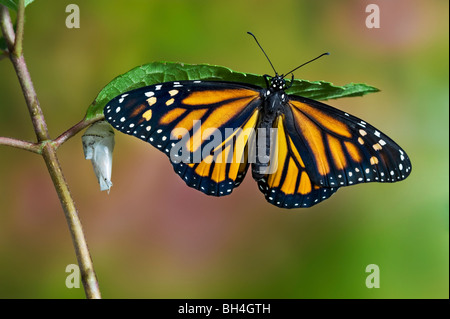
158 72
13 4
321 90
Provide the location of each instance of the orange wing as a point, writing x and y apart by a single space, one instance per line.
339 149
197 125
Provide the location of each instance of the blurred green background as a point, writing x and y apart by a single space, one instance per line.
152 236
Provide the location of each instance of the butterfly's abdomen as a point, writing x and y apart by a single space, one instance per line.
265 144
264 147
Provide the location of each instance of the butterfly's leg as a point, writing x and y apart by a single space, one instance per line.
292 82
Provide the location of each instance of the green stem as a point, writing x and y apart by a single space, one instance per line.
19 32
75 129
7 27
32 147
37 117
89 278
49 154
37 147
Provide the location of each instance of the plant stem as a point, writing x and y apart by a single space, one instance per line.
7 27
19 32
37 117
32 147
76 230
18 61
37 147
74 130
48 149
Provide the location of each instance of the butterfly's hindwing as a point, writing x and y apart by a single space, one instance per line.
290 186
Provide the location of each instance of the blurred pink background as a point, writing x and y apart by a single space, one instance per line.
152 236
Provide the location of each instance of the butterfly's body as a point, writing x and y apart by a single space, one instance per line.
273 104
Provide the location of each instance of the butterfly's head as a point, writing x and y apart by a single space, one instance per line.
275 95
277 83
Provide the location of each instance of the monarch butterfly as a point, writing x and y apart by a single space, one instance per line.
317 148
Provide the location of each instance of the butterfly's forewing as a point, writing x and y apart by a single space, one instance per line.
339 149
184 118
290 185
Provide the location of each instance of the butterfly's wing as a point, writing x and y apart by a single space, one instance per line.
339 149
290 185
196 124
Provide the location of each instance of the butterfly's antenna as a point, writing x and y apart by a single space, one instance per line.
262 51
326 53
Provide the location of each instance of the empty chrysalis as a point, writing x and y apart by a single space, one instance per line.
98 145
